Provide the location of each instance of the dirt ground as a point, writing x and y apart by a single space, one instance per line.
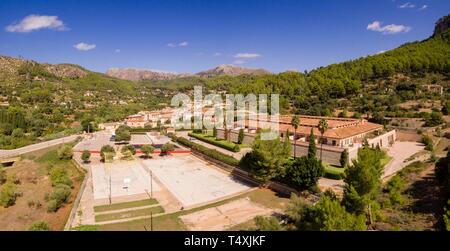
224 216
422 207
34 183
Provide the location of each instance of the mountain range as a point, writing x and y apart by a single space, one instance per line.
142 74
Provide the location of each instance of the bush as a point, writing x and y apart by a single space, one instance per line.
107 152
60 195
65 152
166 148
85 156
267 223
428 142
8 194
434 120
59 175
39 226
212 153
220 143
128 151
394 188
147 150
2 176
52 206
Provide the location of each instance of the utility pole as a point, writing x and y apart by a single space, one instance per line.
110 199
151 221
151 184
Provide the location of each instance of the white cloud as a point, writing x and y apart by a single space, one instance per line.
183 44
217 54
381 52
238 61
247 55
36 22
424 7
388 29
407 6
172 45
117 50
84 47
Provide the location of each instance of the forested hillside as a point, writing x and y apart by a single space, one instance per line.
41 101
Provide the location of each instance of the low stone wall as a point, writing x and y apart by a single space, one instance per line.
384 140
76 203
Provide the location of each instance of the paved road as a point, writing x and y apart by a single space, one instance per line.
35 147
237 155
401 151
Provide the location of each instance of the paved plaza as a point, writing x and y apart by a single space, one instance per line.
193 181
127 180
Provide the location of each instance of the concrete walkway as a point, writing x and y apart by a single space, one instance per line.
400 151
37 146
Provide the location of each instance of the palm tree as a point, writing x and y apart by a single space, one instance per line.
323 127
295 121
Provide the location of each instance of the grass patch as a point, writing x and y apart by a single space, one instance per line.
331 172
129 214
125 205
414 167
230 146
384 161
171 222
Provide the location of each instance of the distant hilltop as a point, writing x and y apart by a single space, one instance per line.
442 25
231 70
141 74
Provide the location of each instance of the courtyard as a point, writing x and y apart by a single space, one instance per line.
122 181
193 181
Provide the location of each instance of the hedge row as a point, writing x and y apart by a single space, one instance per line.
207 151
332 174
227 145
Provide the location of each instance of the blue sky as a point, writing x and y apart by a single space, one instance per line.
195 35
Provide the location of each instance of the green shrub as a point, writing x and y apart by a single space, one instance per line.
394 188
60 195
85 156
2 175
59 175
147 150
52 206
107 152
39 226
128 151
212 153
267 223
65 152
220 143
8 194
428 142
166 148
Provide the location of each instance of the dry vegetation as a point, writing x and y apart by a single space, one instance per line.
30 206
